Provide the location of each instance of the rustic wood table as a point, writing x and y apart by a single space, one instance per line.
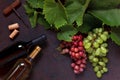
51 65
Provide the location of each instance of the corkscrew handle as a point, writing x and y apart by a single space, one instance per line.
8 9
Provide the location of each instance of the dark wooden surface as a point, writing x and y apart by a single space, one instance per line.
51 65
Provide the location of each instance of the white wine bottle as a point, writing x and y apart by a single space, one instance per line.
22 68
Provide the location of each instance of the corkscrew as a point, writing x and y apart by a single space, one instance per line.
12 7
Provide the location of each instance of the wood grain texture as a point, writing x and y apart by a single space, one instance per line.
51 65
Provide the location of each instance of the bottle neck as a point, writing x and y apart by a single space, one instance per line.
29 59
41 39
34 53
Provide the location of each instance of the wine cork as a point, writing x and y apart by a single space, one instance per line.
13 34
13 26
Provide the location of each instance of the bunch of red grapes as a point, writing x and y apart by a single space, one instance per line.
76 51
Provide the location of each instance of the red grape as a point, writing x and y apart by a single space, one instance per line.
76 51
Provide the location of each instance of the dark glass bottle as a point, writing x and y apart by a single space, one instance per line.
22 68
19 49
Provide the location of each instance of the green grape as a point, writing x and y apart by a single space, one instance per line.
104 45
94 36
102 71
96 30
105 59
100 30
96 68
95 44
105 69
93 52
91 57
103 49
95 59
87 45
89 37
99 40
90 50
103 54
105 33
103 37
97 52
99 74
102 64
85 41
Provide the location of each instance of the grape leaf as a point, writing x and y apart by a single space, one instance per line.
36 3
42 21
79 20
110 17
115 35
68 2
55 13
103 4
29 10
33 19
89 22
66 33
75 11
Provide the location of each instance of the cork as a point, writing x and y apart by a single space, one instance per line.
13 26
13 34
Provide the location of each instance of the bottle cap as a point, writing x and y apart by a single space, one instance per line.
35 52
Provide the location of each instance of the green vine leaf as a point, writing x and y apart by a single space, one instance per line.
75 11
29 10
79 20
43 22
110 17
55 13
115 35
89 22
33 19
66 33
36 3
103 4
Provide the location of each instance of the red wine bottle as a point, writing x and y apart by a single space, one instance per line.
20 49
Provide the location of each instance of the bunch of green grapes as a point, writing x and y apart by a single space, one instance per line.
96 46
